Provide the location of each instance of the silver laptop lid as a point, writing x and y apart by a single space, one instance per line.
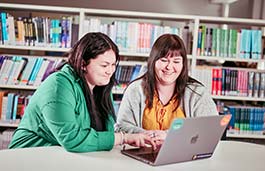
192 138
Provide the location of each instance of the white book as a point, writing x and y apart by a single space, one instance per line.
112 32
12 72
3 68
132 36
19 66
4 108
11 29
27 71
7 69
69 23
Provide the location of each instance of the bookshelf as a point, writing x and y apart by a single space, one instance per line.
98 20
244 102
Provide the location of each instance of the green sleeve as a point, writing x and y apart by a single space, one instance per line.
70 125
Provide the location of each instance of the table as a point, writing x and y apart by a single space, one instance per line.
229 155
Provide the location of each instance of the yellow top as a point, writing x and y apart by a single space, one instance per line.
159 117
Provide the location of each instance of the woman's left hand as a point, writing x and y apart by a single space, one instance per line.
157 135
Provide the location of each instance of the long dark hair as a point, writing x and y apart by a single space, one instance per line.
167 44
99 103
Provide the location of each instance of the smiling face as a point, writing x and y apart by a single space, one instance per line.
168 69
100 69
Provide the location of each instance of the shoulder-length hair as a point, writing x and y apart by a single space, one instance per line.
166 45
99 102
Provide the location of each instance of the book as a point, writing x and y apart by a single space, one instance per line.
2 104
135 72
5 36
27 71
10 105
251 83
35 71
256 84
14 110
41 72
18 68
6 69
262 85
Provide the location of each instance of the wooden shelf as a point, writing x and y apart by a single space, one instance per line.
251 136
39 7
10 124
20 87
35 48
239 98
217 58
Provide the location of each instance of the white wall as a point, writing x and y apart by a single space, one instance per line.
241 8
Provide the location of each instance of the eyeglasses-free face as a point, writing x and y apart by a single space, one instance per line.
167 69
100 69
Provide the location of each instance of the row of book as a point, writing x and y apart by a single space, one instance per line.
44 31
243 43
134 36
37 31
18 70
125 73
232 82
246 120
12 105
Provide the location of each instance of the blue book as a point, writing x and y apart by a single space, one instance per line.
10 99
242 43
2 58
35 71
232 120
14 111
199 41
64 32
251 118
118 74
136 71
256 119
261 119
256 39
69 21
4 27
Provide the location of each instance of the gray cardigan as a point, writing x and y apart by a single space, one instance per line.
196 102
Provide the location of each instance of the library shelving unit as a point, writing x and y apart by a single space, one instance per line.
134 33
11 49
239 41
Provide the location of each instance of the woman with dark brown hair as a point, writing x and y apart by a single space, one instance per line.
73 106
164 92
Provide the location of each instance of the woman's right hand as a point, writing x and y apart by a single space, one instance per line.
139 140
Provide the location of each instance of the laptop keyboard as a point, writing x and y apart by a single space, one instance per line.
149 156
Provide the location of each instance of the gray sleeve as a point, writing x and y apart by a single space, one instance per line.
199 103
130 110
205 106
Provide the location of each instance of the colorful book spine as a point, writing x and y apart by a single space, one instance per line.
5 36
35 71
199 43
27 71
10 100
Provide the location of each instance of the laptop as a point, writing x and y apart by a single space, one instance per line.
187 139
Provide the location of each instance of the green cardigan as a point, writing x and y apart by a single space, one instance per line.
57 115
